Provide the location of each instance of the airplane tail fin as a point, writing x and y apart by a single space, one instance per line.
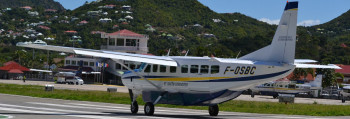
317 82
282 48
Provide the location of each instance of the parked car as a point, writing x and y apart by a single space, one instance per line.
68 77
75 80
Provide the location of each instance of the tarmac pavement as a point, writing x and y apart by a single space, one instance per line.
24 107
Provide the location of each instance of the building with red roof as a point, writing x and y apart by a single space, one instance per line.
12 70
44 27
50 10
70 32
27 8
83 22
126 41
343 45
345 70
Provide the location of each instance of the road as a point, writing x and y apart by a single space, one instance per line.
24 107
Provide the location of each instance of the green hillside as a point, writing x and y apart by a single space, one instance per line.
48 4
177 17
176 24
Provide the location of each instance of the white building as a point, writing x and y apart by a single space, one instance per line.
120 41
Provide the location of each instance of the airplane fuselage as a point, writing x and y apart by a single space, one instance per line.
204 75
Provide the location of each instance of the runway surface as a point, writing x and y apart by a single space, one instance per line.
23 107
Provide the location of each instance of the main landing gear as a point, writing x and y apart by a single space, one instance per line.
149 109
213 110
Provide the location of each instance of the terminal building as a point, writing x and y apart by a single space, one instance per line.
111 72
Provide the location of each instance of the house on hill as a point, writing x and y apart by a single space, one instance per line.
50 10
27 8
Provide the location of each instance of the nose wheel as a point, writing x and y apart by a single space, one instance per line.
149 109
214 110
134 107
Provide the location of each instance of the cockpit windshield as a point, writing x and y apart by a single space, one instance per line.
142 66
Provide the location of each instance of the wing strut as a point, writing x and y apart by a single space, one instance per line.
122 64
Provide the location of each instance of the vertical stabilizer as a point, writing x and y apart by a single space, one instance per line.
282 48
317 82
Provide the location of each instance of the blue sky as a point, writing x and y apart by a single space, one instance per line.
311 12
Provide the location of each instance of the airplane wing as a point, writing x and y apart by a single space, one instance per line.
107 54
330 66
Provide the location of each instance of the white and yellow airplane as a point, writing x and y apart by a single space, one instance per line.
204 81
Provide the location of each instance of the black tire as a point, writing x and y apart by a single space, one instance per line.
76 83
342 99
214 110
252 95
134 107
149 109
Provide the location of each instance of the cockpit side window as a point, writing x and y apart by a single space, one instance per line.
162 68
148 68
184 69
155 68
215 69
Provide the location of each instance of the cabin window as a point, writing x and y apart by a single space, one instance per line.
155 68
162 68
74 62
92 64
286 86
194 68
281 86
172 69
204 69
268 85
184 69
67 61
215 69
86 63
148 68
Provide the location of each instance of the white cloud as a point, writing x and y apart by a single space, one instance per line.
269 21
309 23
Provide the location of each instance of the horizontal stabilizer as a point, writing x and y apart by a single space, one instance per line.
330 66
303 61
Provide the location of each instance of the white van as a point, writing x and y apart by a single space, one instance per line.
74 80
68 77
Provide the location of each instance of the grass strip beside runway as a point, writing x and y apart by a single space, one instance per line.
234 106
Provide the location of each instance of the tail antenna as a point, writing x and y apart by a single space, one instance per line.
187 52
168 52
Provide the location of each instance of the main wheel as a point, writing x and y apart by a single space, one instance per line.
342 99
252 95
77 83
149 109
214 110
134 107
275 96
